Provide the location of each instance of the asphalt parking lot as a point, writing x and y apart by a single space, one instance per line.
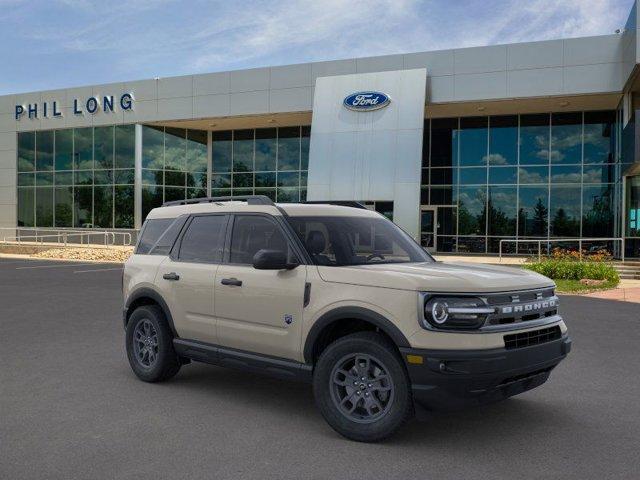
71 408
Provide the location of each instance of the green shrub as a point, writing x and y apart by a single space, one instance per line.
572 270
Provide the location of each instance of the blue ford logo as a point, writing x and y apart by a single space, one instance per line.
366 101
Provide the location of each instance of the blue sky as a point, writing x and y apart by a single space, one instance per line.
46 44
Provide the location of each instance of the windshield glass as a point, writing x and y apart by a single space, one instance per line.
343 241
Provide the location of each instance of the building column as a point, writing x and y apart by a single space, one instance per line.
137 189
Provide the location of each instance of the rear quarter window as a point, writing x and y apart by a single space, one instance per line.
151 232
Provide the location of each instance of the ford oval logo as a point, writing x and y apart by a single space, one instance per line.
366 101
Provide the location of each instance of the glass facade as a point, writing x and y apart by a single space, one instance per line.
174 165
521 177
265 161
81 177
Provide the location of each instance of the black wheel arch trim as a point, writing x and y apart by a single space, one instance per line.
146 292
357 313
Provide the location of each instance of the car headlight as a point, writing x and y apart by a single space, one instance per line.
455 312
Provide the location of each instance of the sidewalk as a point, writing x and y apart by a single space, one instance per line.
627 291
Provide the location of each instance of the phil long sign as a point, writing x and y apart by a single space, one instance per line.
91 105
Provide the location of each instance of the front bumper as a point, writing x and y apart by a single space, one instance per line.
453 379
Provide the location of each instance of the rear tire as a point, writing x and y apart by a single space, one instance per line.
362 388
150 345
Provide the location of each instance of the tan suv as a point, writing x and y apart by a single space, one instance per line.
339 296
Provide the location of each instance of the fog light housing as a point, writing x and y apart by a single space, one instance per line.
455 313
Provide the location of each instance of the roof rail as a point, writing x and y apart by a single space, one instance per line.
342 203
250 199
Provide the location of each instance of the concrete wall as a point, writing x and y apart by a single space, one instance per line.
369 155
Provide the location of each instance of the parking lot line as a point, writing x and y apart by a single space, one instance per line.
56 266
98 270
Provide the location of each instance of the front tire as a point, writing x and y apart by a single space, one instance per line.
150 345
361 387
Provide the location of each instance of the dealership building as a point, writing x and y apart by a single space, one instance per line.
462 148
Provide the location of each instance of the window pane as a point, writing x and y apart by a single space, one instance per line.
243 180
44 179
167 239
44 150
443 176
605 173
289 148
125 151
599 141
266 149
269 192
152 147
44 207
196 151
221 151
197 179
103 147
533 213
64 178
204 239
64 150
26 179
26 151
265 179
533 174
152 177
151 232
503 140
26 203
571 174
123 206
472 211
473 141
254 233
534 139
566 138
83 205
196 192
442 196
597 211
473 176
243 150
64 206
151 198
103 207
174 193
124 176
503 175
288 195
102 177
84 177
288 179
444 147
304 147
175 149
177 179
502 210
83 148
565 211
221 181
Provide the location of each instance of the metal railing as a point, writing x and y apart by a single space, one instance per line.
548 241
81 238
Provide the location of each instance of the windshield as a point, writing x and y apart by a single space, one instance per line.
345 241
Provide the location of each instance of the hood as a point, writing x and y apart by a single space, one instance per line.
437 277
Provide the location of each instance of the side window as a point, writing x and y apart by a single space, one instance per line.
151 232
204 239
168 238
252 233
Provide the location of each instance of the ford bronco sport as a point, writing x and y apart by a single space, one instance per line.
339 296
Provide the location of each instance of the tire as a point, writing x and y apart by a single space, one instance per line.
384 403
153 358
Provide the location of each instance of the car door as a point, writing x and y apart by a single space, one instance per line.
259 310
187 277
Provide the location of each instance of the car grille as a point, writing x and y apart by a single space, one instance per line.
522 306
534 337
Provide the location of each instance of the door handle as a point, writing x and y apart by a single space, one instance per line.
232 282
171 276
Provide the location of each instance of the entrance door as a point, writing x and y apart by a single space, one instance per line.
428 222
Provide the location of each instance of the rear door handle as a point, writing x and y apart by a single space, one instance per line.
233 282
171 276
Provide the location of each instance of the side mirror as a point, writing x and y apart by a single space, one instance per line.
272 260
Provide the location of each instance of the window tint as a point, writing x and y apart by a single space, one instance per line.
252 233
204 239
151 233
168 238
